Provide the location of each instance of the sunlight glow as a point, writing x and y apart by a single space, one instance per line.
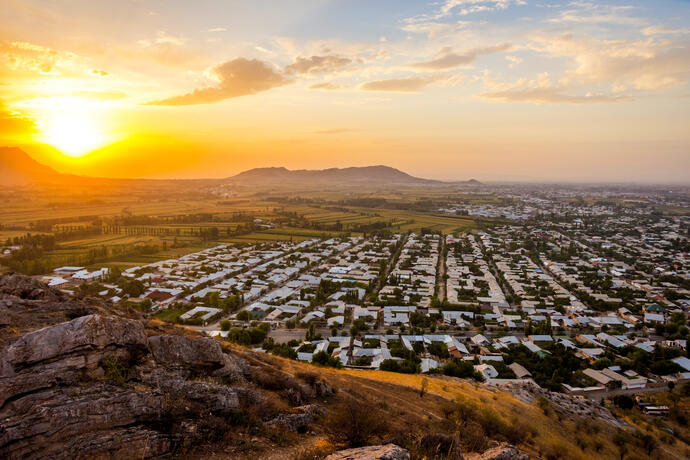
72 126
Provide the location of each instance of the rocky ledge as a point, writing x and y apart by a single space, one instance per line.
101 386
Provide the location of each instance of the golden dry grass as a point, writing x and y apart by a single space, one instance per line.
548 435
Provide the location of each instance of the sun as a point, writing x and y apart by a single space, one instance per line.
74 134
73 125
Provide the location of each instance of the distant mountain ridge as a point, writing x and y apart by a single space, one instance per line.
17 168
379 173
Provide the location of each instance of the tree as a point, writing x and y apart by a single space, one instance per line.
324 359
243 315
225 325
423 387
311 332
624 402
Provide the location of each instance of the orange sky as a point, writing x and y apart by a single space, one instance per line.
495 89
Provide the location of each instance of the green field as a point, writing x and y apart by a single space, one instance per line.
152 222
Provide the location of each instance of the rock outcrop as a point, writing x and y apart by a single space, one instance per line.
503 452
299 421
97 387
387 452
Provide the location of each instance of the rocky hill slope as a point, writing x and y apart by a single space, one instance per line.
83 379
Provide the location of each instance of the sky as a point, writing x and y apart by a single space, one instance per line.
497 90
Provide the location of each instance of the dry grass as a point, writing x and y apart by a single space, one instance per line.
499 414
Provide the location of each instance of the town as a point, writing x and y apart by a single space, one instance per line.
585 297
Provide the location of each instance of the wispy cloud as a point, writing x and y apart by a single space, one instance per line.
641 64
551 96
327 86
591 13
14 123
541 91
447 59
660 30
239 77
464 8
318 64
402 85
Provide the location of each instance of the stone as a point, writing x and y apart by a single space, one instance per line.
386 452
504 452
61 354
300 421
178 352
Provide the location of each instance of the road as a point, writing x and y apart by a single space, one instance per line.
441 271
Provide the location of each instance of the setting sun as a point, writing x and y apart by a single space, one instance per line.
73 134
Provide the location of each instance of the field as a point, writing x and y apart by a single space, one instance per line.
114 226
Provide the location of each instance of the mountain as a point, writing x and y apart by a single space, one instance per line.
367 174
18 168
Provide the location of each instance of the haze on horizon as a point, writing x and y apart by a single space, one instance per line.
452 89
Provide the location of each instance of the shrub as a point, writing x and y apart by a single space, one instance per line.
115 370
355 423
324 359
319 450
624 402
440 445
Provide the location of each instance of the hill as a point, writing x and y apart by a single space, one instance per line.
80 378
354 175
18 168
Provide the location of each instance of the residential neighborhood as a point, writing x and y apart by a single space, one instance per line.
585 298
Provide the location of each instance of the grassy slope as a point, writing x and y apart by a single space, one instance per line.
548 435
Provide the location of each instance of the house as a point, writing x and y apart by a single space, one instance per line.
654 318
480 340
487 371
683 362
520 371
598 376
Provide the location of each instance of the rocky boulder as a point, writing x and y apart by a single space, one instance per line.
387 452
300 420
176 352
501 452
25 287
63 354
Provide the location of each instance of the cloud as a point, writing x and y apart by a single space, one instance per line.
641 64
590 13
239 77
540 91
433 29
401 85
327 85
13 123
447 59
464 8
162 38
660 30
30 58
550 96
217 29
99 73
317 64
514 61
